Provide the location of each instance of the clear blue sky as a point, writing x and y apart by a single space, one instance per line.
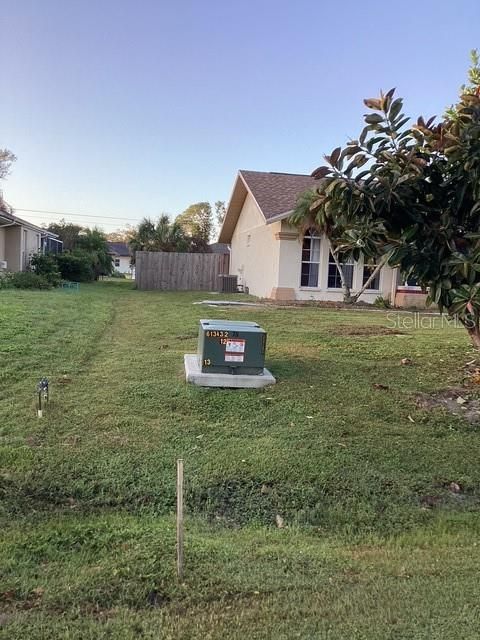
131 108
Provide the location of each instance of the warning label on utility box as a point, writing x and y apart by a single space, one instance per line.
234 350
235 346
233 357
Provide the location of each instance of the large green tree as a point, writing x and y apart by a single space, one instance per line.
162 235
94 243
415 203
197 222
87 247
67 232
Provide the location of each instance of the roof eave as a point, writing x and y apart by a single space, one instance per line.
279 216
235 204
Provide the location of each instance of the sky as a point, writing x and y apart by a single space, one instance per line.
120 109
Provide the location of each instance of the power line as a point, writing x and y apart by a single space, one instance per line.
66 213
79 221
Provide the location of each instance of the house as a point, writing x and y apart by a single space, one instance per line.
20 239
121 257
275 260
219 247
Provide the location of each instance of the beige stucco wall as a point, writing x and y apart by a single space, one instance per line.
17 245
2 244
267 260
31 241
13 248
290 267
255 251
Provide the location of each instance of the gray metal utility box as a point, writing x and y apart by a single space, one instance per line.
231 347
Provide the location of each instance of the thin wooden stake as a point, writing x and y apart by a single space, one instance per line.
180 519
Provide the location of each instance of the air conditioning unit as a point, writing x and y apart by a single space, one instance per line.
3 264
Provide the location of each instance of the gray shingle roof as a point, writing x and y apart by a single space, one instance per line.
118 248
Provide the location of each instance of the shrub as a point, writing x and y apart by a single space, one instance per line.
382 303
6 280
46 265
76 265
28 280
118 274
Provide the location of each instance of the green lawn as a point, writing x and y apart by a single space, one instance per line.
87 493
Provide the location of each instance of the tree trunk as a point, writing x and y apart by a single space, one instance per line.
474 333
370 279
472 327
347 298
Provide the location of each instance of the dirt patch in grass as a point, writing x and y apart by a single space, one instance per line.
348 330
458 401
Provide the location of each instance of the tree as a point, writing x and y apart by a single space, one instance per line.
121 235
162 235
417 201
197 222
7 158
94 243
309 213
67 232
220 211
85 251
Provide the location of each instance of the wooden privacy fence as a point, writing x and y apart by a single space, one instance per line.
179 271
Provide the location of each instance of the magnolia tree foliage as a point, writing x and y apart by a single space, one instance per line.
409 196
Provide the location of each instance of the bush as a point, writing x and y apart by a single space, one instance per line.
118 274
46 265
382 303
27 280
5 280
76 265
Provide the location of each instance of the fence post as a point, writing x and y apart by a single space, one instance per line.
180 519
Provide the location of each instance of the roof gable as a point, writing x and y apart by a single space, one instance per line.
276 195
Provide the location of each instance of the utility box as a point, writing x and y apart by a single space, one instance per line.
231 347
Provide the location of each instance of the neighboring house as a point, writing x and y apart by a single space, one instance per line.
275 260
20 239
219 247
121 257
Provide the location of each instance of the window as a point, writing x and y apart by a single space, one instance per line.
334 280
117 262
310 259
367 272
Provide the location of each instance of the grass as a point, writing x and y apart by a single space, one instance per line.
88 492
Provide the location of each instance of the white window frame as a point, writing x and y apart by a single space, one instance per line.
313 235
372 267
332 262
409 287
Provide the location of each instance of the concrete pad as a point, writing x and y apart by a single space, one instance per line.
229 303
194 375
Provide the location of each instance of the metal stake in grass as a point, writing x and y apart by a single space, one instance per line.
180 519
42 391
